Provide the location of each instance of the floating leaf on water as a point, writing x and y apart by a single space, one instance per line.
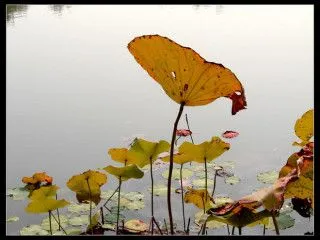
232 180
45 224
107 195
268 177
33 230
135 205
286 208
80 207
18 193
133 196
186 173
79 220
284 221
226 164
200 174
109 226
160 189
13 219
201 183
114 209
136 226
112 217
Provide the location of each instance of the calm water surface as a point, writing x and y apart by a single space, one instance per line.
74 90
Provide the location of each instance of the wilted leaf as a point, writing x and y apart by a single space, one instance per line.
136 226
13 219
37 178
33 230
87 185
42 200
232 180
230 134
127 172
268 177
204 151
199 197
143 152
304 127
221 201
200 218
186 173
302 206
184 75
183 132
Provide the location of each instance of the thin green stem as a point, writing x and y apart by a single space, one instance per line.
214 183
182 202
275 222
171 166
58 212
165 224
110 198
58 223
50 222
264 229
90 200
102 215
118 210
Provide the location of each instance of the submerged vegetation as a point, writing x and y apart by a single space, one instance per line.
189 80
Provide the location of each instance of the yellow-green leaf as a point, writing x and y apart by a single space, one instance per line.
184 75
45 205
127 172
119 155
304 127
204 151
44 192
199 197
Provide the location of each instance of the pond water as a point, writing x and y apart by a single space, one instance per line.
74 91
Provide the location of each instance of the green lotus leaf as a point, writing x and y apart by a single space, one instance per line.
73 231
112 217
178 158
205 151
80 207
200 174
45 224
87 185
127 172
160 189
107 194
201 183
186 173
232 180
79 220
142 151
284 221
18 193
135 205
225 164
268 177
33 230
13 219
133 196
136 226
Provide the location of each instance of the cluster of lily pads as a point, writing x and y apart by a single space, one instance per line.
189 80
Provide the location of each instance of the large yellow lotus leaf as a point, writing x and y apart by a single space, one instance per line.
184 75
304 127
119 155
87 185
143 152
205 151
271 198
43 200
131 171
199 197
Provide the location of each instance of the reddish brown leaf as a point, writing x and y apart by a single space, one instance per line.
183 132
238 102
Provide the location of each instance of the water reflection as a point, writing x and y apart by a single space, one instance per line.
15 11
59 8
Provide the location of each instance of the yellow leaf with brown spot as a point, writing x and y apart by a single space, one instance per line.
199 197
304 127
184 75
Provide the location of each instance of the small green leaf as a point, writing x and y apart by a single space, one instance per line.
268 177
112 217
80 207
186 173
160 190
33 230
79 221
18 193
232 180
13 219
133 196
45 224
201 183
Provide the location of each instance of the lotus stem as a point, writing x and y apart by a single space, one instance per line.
151 175
171 166
264 229
118 210
188 225
189 130
228 229
182 202
206 177
275 222
102 216
58 223
232 233
58 212
214 183
50 222
110 198
90 204
154 220
165 224
239 230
